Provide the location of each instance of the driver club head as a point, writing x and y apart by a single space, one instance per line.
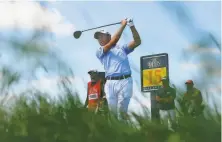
77 34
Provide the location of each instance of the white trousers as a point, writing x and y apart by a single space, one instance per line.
168 116
118 94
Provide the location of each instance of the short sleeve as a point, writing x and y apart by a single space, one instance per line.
100 53
126 49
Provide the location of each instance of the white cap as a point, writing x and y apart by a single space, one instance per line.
100 32
92 70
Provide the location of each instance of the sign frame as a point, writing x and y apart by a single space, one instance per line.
141 68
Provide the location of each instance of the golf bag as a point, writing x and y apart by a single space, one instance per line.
103 105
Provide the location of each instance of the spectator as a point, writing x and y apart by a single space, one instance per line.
165 98
193 99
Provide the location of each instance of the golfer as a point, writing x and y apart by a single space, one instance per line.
119 84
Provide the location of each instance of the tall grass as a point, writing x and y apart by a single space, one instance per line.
36 117
42 119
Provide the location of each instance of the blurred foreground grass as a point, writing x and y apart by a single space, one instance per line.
42 119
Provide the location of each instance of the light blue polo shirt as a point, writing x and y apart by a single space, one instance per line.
115 61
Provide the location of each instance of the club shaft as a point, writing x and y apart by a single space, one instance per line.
101 26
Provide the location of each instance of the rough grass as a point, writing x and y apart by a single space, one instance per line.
41 119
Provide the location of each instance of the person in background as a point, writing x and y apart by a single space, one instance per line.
193 99
165 98
95 99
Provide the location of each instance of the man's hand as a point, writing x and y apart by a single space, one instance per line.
162 100
130 22
158 98
124 22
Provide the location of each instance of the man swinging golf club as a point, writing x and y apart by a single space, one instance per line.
119 84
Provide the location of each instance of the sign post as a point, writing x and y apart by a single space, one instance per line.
153 68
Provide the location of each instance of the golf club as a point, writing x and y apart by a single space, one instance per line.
77 34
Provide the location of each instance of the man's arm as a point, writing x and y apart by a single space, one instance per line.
171 97
136 37
166 99
158 98
198 99
162 100
115 37
184 98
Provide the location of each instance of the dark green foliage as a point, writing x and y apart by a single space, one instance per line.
64 120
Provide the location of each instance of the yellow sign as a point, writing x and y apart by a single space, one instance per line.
153 68
152 77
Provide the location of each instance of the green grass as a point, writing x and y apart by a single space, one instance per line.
45 120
